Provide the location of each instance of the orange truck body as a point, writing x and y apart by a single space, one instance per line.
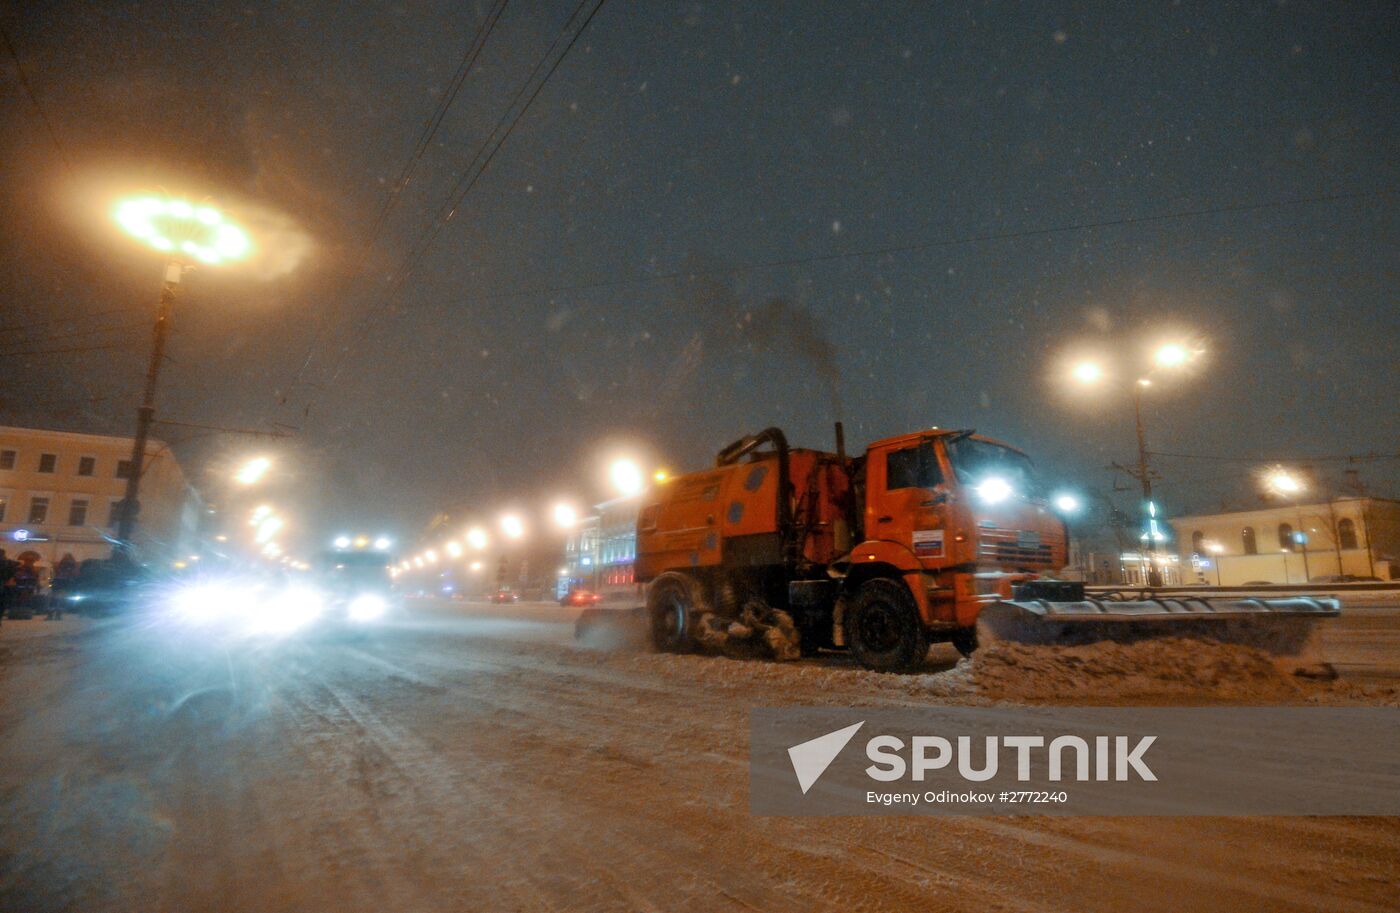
803 529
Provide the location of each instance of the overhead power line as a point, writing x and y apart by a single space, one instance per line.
34 99
1331 458
430 129
420 147
25 353
25 327
954 241
486 153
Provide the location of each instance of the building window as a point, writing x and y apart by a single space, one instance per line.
38 510
1251 547
7 459
123 469
1285 536
87 466
77 512
48 462
1198 542
1346 533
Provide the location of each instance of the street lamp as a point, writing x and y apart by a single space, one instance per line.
626 477
1291 486
184 231
565 516
1216 550
512 526
1168 356
477 538
252 471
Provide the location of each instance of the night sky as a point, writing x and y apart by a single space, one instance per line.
713 139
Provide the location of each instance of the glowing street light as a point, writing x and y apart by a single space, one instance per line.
181 228
565 516
454 549
268 528
1171 355
183 231
341 542
1282 482
512 526
1290 486
1067 504
382 543
477 538
251 472
626 477
1087 372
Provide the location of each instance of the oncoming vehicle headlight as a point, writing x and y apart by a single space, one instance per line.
286 611
368 607
994 490
207 602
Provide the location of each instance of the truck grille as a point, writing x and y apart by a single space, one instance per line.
1014 547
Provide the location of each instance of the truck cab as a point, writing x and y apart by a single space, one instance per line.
959 517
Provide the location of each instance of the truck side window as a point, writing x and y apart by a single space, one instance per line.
912 467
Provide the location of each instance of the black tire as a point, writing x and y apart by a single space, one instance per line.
883 628
671 613
964 640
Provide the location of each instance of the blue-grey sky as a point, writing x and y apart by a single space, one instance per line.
679 136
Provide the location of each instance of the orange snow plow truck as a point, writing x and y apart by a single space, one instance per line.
937 535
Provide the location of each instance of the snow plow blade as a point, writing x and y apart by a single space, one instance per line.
1284 627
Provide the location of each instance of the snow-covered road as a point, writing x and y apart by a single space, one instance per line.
476 758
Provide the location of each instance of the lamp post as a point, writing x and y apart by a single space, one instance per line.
185 232
1290 487
1167 357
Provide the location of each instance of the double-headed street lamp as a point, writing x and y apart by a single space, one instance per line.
1167 357
187 233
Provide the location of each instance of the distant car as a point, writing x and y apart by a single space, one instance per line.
501 596
1344 578
580 598
104 586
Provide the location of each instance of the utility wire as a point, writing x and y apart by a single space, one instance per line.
24 327
34 99
1333 458
925 245
24 353
420 147
430 129
76 334
472 174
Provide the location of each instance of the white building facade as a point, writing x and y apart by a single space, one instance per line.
60 494
1291 543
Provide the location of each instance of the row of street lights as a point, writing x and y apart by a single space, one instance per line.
627 479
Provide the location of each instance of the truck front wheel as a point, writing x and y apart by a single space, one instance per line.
671 612
883 628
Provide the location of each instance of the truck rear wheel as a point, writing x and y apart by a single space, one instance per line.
883 628
671 612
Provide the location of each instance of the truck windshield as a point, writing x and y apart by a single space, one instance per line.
355 569
976 461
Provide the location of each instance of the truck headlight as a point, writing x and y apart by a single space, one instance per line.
994 490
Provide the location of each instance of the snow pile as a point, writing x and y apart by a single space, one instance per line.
1168 667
